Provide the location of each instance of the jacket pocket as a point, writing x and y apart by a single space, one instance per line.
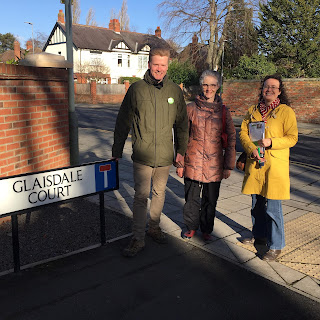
282 154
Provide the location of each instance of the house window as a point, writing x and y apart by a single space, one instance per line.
120 60
128 61
143 62
95 57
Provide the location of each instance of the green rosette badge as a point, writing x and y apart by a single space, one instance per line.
170 100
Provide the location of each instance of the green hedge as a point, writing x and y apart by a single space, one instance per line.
131 79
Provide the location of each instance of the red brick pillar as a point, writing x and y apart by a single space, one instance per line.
93 91
75 87
126 84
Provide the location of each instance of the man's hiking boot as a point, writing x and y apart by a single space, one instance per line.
133 248
157 235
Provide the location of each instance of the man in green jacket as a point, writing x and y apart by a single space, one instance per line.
151 108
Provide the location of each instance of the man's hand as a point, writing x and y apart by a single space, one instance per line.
179 162
180 172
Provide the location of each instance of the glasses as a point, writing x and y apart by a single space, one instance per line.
270 87
205 85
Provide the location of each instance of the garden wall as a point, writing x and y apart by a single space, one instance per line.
304 95
34 125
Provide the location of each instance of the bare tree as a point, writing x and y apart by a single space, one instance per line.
94 69
150 31
123 16
76 11
205 18
40 39
90 19
113 14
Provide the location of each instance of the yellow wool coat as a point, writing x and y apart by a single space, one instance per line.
272 180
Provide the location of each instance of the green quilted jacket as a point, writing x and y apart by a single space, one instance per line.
151 111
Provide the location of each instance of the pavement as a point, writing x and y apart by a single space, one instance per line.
223 279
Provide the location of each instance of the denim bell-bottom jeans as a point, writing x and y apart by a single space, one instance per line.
267 221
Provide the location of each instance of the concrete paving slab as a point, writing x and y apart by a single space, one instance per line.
240 253
289 275
243 198
286 209
237 220
296 213
308 286
229 205
264 269
223 230
167 225
222 248
176 216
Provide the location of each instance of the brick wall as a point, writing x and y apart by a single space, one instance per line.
304 95
34 126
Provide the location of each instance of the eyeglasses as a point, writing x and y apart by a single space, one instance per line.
270 87
205 85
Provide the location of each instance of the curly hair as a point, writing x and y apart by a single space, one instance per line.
283 95
210 73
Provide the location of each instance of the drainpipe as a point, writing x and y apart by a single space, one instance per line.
73 119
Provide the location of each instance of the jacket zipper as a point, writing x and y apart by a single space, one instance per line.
155 127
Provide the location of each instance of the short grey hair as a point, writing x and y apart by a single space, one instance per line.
210 73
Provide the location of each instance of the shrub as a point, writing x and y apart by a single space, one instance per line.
254 67
183 72
131 79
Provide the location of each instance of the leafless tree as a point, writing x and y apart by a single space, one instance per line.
123 16
76 11
90 19
95 69
205 18
40 39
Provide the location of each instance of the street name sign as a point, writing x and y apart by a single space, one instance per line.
32 190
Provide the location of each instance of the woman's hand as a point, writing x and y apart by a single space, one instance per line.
255 156
226 174
265 143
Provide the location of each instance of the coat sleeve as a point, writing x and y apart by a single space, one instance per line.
230 153
290 132
123 124
182 125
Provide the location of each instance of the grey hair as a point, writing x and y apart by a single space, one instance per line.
210 73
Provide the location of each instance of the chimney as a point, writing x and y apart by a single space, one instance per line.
61 16
114 25
157 32
29 45
16 50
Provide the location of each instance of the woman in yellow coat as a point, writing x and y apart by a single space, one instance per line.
267 173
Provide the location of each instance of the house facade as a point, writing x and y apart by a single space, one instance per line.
104 54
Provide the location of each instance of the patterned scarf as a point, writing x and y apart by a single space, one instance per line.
265 109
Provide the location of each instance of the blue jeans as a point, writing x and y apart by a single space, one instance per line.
267 221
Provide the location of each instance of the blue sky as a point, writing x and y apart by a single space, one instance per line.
143 15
